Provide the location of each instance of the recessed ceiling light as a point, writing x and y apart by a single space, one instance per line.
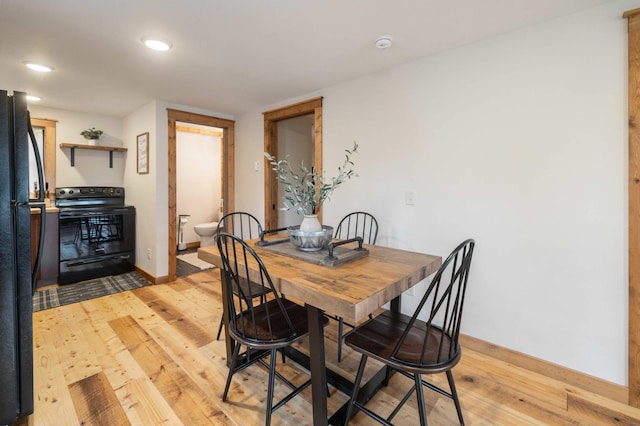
157 44
383 42
33 98
37 67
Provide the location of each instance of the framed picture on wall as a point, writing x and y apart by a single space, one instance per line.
143 153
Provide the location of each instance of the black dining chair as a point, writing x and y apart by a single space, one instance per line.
423 343
245 226
265 327
356 224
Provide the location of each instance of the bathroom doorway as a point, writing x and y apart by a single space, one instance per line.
198 179
227 180
198 190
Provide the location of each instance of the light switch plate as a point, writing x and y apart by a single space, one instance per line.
408 198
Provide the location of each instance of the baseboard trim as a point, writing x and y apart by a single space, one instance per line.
575 378
162 280
151 278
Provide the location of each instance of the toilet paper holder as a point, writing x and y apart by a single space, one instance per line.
182 220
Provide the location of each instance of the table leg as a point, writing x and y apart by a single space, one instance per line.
318 370
396 304
319 374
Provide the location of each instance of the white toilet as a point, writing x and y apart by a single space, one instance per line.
207 233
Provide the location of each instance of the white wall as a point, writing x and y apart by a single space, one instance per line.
141 189
249 194
91 167
198 177
519 142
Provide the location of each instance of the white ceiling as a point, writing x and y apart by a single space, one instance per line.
231 56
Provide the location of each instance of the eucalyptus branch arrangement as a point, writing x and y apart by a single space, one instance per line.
305 190
92 133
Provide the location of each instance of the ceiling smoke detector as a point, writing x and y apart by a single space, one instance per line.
383 42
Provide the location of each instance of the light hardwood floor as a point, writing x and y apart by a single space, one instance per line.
149 357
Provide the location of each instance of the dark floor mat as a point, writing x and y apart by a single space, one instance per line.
85 290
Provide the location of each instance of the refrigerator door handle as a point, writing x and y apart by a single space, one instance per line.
36 265
36 152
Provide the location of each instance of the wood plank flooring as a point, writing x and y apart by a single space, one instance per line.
149 357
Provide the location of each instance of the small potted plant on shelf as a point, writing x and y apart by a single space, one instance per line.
92 135
305 192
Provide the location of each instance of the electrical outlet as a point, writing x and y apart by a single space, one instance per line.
256 166
149 253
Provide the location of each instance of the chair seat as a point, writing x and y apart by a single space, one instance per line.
258 334
378 337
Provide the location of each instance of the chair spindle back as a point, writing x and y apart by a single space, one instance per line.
358 224
441 309
241 224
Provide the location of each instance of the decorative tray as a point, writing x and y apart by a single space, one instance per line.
333 256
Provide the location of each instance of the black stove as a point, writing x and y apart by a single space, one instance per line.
96 232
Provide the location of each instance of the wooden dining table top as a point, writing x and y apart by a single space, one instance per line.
351 291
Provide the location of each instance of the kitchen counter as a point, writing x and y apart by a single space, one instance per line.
50 207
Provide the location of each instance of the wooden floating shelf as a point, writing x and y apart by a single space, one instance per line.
73 147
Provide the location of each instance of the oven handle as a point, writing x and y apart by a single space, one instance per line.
87 262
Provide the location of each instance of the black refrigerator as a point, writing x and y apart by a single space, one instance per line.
17 268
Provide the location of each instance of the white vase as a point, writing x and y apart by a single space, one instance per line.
310 223
92 141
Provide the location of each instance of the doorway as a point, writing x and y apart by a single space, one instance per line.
296 144
198 179
227 174
271 119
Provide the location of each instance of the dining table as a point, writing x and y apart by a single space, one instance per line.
352 290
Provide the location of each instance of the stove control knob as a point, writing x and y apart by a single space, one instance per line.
62 192
71 191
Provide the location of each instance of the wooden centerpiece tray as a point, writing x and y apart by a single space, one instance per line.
337 253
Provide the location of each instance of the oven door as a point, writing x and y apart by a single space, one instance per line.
95 242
